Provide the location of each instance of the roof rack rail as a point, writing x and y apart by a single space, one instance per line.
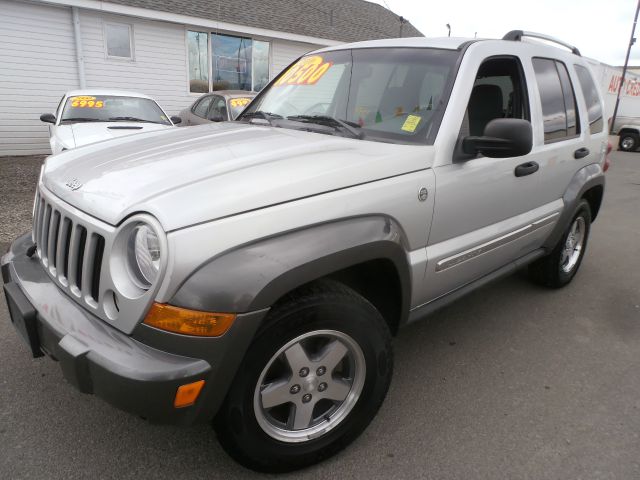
516 35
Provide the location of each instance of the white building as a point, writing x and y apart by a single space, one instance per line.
170 50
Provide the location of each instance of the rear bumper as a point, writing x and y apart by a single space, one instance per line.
133 375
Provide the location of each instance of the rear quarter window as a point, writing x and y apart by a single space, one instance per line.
202 107
591 98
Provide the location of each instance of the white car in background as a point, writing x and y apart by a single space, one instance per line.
89 116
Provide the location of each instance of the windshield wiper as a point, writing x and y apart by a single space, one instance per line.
269 117
81 119
350 127
130 119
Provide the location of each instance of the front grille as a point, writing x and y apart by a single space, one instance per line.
70 251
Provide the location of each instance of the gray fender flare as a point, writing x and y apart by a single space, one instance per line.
255 275
584 179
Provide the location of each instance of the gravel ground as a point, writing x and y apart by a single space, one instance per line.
512 382
18 177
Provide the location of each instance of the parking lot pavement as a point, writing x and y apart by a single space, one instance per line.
513 381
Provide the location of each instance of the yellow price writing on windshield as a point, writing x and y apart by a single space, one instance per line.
239 102
305 72
86 102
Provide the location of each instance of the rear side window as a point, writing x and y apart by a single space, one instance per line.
202 107
596 122
569 100
559 112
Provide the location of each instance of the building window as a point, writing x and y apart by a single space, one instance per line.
232 62
237 63
198 45
260 65
119 40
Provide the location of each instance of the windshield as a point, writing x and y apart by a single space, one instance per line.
112 108
387 94
237 105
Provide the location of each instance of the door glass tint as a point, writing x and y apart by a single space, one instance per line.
570 107
559 112
202 107
553 113
591 98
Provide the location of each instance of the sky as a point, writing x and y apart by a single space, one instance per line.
600 29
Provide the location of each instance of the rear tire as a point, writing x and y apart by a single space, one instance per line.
559 267
262 423
629 142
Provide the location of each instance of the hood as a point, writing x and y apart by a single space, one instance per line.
91 132
185 176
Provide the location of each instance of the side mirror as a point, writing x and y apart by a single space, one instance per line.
176 120
216 118
48 118
503 137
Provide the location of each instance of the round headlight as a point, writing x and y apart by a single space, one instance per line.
145 246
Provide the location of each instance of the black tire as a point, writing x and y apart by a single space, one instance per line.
321 306
550 270
629 142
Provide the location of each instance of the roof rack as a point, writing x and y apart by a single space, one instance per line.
516 35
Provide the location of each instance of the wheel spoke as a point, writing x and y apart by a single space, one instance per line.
303 415
337 390
574 227
333 354
297 357
275 394
579 237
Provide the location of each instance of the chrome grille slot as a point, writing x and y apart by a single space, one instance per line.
36 216
97 246
62 257
77 253
87 265
44 235
39 223
52 240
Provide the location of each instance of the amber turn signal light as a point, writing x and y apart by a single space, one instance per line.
188 322
188 394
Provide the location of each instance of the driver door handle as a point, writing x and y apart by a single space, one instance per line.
581 153
526 169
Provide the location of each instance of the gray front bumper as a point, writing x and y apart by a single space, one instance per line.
121 369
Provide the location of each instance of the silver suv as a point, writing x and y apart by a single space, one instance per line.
253 273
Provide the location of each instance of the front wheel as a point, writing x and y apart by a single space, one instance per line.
559 267
629 142
311 382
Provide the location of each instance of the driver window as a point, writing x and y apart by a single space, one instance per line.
499 91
